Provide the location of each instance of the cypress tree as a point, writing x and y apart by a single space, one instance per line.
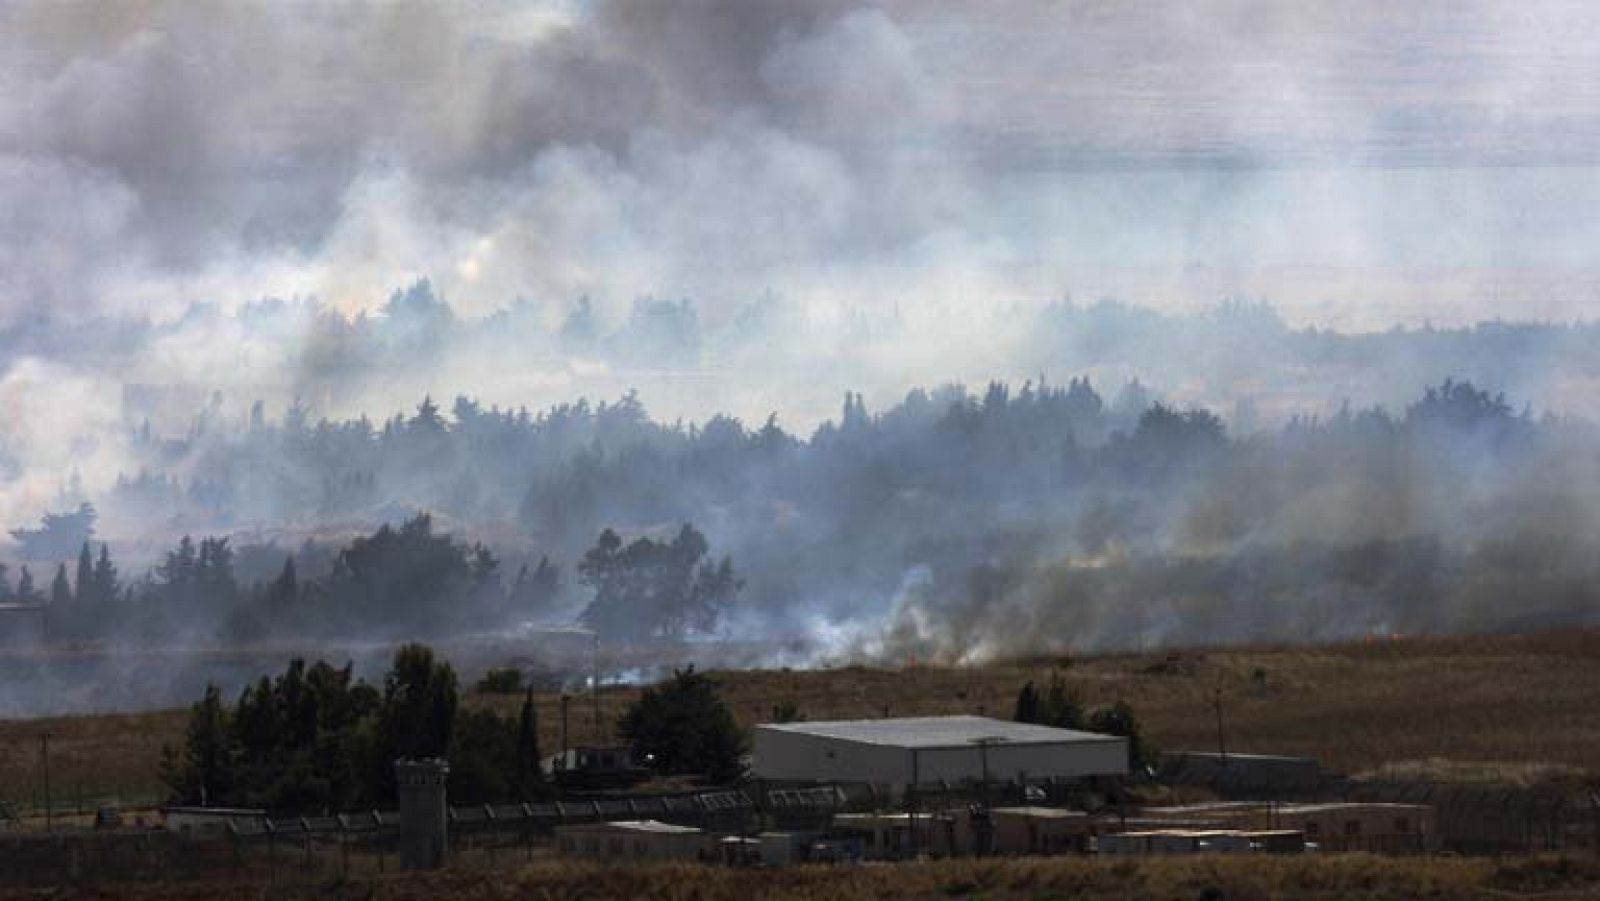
61 589
26 593
1027 704
529 775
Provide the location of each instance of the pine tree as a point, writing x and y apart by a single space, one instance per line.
84 586
286 588
105 577
26 593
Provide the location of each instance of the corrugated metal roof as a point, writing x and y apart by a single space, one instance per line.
939 732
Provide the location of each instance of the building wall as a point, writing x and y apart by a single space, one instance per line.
612 843
795 755
1379 828
1018 832
1177 841
1017 763
887 836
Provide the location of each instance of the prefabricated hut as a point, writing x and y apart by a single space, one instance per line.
1362 826
1040 830
635 840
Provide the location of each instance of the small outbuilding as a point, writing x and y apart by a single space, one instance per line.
897 836
1372 827
635 840
895 753
202 819
1187 841
1040 830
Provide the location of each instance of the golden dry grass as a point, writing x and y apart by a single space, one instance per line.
1512 699
1517 702
1242 879
90 756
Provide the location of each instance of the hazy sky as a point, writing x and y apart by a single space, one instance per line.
1357 163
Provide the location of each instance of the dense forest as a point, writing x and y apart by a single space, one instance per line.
951 525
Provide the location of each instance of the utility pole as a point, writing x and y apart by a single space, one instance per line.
599 739
1594 805
566 706
914 801
1222 745
49 807
983 761
983 829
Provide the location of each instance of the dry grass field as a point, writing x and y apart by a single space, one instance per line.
1204 879
1512 707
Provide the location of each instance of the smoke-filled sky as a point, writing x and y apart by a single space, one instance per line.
900 181
752 207
1358 164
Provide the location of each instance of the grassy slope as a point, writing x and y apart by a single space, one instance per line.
1509 699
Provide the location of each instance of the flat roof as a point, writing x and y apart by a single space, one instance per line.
1349 807
939 732
214 811
890 816
1052 813
655 826
1220 757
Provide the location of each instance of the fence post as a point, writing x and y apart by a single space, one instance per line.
377 837
233 840
344 846
493 832
305 843
1594 806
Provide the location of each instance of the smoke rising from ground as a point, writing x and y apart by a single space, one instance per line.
754 207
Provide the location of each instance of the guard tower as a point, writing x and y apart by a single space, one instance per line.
424 819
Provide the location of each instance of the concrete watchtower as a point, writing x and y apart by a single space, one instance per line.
424 818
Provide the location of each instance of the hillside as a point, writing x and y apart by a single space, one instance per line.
1514 707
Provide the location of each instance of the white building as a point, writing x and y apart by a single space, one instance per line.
634 840
923 750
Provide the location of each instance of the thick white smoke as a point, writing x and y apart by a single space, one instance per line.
866 195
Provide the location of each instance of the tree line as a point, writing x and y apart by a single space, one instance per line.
400 580
1100 519
317 738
